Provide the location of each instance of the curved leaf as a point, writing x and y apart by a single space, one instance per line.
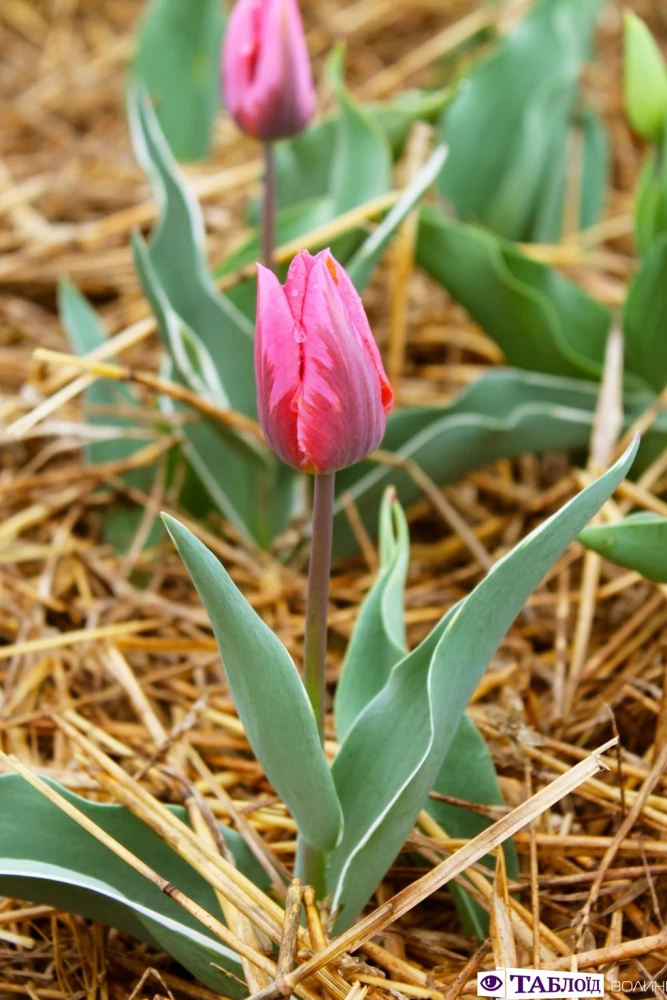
539 319
645 317
378 639
359 140
268 693
504 414
47 858
638 542
178 55
516 107
392 754
468 773
177 252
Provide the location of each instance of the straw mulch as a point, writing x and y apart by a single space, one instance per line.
136 668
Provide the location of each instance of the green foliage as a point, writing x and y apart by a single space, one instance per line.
391 756
376 646
511 124
645 80
269 695
637 542
103 399
539 319
177 58
503 414
47 858
651 200
645 318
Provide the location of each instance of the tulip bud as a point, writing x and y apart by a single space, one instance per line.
645 80
323 395
266 76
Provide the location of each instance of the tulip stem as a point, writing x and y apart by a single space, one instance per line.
269 207
315 649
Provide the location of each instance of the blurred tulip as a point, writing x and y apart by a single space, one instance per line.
645 80
266 75
323 395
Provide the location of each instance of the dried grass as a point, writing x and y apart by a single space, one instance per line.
95 669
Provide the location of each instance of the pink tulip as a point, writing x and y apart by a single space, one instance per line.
266 76
323 395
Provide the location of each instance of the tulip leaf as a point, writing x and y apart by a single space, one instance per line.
391 756
269 695
103 398
378 639
177 253
238 471
651 200
468 773
359 140
503 414
47 858
376 646
518 106
177 58
539 319
644 325
637 542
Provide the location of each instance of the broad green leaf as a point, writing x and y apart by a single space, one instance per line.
645 318
468 773
269 695
391 756
177 252
397 115
517 106
239 472
359 140
579 157
539 319
503 414
378 639
177 58
85 333
376 646
47 858
637 542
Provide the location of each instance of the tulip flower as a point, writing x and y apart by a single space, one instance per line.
266 76
323 399
323 395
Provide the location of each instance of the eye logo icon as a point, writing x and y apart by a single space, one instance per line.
491 982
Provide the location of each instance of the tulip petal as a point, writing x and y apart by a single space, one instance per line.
278 363
341 416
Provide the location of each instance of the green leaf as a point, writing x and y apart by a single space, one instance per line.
269 695
177 253
368 255
85 333
392 754
378 639
397 115
637 542
47 858
645 318
468 773
177 58
503 414
539 319
516 107
359 140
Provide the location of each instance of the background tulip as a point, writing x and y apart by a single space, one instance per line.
323 395
266 75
